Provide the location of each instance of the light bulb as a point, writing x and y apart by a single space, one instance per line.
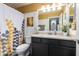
47 6
54 8
43 7
44 10
54 5
59 8
49 9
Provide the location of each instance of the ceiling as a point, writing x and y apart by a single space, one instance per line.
16 5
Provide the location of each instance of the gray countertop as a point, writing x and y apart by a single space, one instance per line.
62 37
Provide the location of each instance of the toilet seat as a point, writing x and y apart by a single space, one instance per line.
22 48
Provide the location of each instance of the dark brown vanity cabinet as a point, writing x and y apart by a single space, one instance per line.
61 51
53 47
62 48
39 48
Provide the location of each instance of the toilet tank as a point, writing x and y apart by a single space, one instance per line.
28 39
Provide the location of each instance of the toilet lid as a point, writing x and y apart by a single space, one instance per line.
23 46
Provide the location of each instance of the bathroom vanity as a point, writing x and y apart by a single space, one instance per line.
53 45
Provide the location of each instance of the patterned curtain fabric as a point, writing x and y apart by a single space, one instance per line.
11 39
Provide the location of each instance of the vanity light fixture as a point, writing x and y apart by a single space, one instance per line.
53 7
59 8
42 8
61 4
48 8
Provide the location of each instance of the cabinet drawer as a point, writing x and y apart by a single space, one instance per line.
53 41
61 51
45 41
36 40
39 49
67 43
62 42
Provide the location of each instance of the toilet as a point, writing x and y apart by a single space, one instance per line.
21 49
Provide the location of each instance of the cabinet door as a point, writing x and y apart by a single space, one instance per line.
61 51
39 49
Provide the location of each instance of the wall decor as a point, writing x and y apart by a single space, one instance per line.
29 21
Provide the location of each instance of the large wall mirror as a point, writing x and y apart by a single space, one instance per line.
57 17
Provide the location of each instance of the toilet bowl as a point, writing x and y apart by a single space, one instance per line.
21 49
